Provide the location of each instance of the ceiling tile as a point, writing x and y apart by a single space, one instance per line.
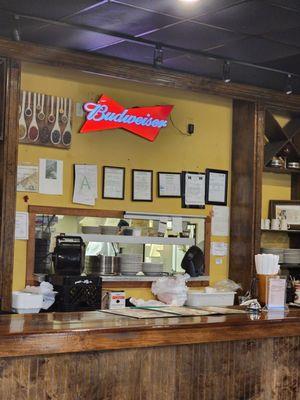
121 18
254 17
45 8
290 37
290 64
181 8
76 39
255 50
135 52
193 36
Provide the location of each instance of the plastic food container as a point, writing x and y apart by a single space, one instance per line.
26 303
197 299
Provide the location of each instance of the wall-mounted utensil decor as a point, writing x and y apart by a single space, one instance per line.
45 120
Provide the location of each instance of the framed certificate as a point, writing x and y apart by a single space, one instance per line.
169 184
142 185
193 189
216 187
113 183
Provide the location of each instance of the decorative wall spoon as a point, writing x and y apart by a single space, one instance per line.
55 136
33 130
22 122
67 134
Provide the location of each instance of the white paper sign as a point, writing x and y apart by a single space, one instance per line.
219 248
276 293
220 221
142 185
21 226
177 224
162 225
85 186
194 189
51 177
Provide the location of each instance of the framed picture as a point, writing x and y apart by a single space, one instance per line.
142 185
113 186
192 189
286 209
216 187
169 184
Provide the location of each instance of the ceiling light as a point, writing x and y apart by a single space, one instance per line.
16 30
226 72
158 56
288 86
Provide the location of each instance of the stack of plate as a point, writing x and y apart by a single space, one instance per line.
277 252
291 256
130 264
153 269
109 230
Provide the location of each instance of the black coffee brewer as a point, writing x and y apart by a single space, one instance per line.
76 292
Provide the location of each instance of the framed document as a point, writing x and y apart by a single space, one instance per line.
169 184
142 185
193 189
216 187
113 183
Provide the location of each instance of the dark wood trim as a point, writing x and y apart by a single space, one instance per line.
82 212
137 284
115 68
247 166
207 244
10 72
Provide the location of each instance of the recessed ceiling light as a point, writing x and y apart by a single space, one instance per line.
189 1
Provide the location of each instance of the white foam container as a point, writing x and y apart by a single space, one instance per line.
196 298
26 303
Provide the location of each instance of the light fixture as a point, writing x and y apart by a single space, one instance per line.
226 72
158 56
16 30
288 85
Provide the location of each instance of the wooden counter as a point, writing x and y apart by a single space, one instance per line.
92 355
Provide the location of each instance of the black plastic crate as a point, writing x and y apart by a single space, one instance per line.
76 293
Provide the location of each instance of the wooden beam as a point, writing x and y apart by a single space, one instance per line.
79 212
116 68
10 75
247 166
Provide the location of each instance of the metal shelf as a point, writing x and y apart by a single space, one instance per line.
281 231
135 239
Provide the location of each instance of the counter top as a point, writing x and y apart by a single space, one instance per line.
52 333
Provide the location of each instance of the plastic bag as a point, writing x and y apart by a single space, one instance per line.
171 290
227 285
45 289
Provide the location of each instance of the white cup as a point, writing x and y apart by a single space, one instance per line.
267 224
284 226
275 224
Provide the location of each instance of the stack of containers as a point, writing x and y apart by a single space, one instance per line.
130 264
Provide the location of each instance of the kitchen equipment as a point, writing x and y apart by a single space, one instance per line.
294 165
130 264
193 261
196 298
33 130
91 230
68 255
55 135
26 303
67 135
277 163
152 269
109 230
22 122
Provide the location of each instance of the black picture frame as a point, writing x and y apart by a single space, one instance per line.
208 172
103 182
183 204
133 198
158 184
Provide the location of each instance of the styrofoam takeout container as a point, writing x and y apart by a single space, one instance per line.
196 298
26 303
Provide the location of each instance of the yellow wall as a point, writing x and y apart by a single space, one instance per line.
210 146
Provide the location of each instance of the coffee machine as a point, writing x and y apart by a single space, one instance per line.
75 292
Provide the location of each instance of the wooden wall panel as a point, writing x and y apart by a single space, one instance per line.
247 166
10 86
245 370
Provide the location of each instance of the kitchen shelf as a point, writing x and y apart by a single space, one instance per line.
142 278
287 171
135 239
281 231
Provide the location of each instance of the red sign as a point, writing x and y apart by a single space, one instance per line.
142 121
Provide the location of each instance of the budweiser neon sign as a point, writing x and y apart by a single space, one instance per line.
142 121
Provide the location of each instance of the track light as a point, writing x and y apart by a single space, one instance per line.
158 56
16 30
288 85
226 72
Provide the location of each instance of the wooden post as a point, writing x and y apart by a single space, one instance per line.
10 92
247 166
